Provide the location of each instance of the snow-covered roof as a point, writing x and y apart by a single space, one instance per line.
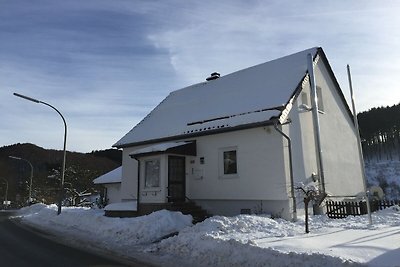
111 177
248 96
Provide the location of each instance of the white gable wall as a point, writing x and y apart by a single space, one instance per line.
343 176
338 140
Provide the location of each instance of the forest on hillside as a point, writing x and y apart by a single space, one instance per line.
380 133
81 169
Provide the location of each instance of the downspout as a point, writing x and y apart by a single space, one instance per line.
292 193
317 131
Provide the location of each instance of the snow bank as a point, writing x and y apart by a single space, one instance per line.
91 223
260 241
230 241
244 240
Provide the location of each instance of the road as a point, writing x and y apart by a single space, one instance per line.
22 247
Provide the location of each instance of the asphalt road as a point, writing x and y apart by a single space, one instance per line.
22 247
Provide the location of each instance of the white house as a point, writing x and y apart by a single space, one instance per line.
111 182
243 142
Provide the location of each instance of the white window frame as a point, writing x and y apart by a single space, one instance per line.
221 162
145 186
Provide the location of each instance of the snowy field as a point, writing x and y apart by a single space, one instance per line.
385 174
245 240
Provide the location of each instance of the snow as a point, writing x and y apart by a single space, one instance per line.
122 206
85 223
244 240
114 176
385 174
257 89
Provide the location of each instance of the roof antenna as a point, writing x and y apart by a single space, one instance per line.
213 76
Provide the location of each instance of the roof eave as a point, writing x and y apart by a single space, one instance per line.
204 133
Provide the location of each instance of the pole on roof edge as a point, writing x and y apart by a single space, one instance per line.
361 157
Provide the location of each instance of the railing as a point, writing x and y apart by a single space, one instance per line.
342 209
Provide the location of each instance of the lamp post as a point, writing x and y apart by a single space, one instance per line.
61 193
30 183
5 198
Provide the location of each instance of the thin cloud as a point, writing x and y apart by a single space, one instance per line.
106 64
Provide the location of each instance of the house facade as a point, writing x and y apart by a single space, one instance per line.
243 143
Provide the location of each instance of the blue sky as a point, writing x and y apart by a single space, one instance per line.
106 63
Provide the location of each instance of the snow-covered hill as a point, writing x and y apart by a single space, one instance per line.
385 174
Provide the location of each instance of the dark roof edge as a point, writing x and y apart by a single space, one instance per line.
323 57
210 132
293 97
336 83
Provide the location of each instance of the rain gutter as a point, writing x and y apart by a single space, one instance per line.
292 192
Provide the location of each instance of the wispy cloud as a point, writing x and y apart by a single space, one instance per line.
227 37
106 64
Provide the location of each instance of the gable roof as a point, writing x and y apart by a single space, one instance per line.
241 99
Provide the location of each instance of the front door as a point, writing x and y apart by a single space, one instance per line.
176 179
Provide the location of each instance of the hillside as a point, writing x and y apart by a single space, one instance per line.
380 134
81 169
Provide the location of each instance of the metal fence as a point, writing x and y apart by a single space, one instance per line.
342 209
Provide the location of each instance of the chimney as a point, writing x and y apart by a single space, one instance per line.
213 76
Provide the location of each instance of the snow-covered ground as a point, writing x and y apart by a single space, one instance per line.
244 240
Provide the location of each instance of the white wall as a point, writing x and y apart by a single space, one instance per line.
129 175
343 174
113 193
261 172
338 140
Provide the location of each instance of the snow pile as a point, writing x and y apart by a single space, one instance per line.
385 174
260 241
244 240
232 241
80 222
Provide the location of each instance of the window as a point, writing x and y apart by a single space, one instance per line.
230 162
304 98
152 173
320 102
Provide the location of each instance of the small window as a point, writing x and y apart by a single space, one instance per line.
152 173
230 162
320 101
304 98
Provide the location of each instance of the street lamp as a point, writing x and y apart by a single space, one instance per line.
30 183
65 145
5 198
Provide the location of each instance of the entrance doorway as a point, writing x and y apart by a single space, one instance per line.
176 179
